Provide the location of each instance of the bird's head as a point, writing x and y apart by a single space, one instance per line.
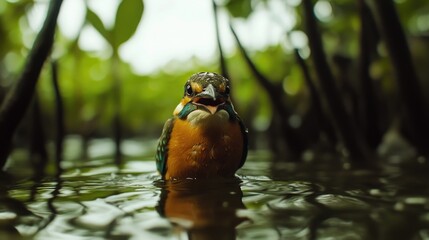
205 91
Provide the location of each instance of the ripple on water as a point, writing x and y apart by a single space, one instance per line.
98 201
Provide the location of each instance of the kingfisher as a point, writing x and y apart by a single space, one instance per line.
205 138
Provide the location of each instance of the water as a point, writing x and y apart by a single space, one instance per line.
315 200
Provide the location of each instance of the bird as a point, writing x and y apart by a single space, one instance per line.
205 137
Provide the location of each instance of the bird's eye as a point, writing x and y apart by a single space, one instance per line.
188 90
227 90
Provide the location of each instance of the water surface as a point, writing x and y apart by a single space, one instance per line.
314 200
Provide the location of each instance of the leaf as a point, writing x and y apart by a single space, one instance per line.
127 20
96 22
239 8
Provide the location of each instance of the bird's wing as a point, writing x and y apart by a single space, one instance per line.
244 132
234 117
162 150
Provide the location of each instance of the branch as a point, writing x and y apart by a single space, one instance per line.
223 67
316 99
19 97
415 110
368 112
38 153
60 119
344 123
266 84
276 95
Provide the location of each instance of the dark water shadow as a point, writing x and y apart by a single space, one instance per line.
50 202
205 209
11 210
386 202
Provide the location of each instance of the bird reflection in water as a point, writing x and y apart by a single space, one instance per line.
205 209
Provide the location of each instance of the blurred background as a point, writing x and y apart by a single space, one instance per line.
121 66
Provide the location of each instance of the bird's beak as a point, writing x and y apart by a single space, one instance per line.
209 92
209 98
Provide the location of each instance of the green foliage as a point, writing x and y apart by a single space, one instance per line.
96 22
239 8
11 45
127 19
147 101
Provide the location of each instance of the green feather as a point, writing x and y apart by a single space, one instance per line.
188 108
162 150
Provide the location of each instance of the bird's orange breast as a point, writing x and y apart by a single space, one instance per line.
201 151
